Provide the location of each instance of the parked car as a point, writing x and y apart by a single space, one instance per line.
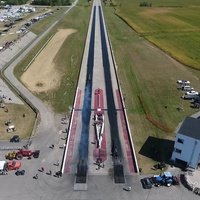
188 96
192 93
187 88
20 172
183 82
15 138
146 183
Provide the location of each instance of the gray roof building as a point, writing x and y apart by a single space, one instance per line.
190 127
187 144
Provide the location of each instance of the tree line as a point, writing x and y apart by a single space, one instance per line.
145 4
39 2
51 2
14 2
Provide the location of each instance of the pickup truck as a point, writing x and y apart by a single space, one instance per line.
166 178
185 82
13 165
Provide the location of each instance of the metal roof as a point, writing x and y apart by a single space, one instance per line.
190 127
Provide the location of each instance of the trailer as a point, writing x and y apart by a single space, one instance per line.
3 167
166 179
13 165
22 153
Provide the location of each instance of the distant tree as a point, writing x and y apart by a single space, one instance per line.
15 2
51 2
145 4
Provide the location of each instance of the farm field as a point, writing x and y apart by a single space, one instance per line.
171 25
148 74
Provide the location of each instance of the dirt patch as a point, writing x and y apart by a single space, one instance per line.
155 11
42 75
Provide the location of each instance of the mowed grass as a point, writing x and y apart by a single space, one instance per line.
171 25
174 48
68 59
147 72
23 125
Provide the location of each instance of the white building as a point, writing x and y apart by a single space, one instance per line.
187 143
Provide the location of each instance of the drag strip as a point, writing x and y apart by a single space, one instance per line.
82 167
98 83
129 154
86 111
112 114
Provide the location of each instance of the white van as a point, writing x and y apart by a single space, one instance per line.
3 167
192 93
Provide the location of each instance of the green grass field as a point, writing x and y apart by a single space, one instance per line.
147 72
172 25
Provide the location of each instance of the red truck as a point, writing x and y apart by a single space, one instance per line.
13 165
22 153
28 153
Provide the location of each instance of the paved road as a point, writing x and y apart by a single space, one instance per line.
97 71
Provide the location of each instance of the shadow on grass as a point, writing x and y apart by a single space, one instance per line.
157 149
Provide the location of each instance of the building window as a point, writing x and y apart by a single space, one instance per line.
180 140
178 151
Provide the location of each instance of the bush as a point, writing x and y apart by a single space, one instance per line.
145 4
51 2
15 2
